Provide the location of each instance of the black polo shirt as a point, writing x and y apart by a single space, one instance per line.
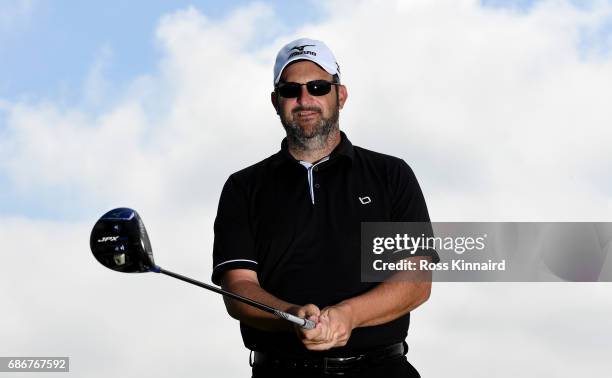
300 231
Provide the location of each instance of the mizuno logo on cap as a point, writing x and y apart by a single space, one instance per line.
299 48
300 51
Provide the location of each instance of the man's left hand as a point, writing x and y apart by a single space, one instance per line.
339 319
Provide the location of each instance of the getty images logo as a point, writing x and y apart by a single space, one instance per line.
410 243
300 51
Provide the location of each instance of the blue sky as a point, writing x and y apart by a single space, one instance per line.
516 4
48 51
48 48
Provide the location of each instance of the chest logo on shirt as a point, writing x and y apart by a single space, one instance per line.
365 200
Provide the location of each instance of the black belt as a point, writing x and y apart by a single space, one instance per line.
329 365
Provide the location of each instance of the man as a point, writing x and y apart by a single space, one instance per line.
287 234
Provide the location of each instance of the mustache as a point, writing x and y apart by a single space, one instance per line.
307 109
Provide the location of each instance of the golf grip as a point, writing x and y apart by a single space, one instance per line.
304 323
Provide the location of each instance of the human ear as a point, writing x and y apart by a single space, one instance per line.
342 95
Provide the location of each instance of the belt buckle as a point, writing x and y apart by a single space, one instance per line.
326 371
338 369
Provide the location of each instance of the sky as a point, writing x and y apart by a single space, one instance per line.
501 108
48 47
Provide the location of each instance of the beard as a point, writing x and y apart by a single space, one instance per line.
314 137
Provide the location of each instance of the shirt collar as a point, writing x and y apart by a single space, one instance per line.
343 149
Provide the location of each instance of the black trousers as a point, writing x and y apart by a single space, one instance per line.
398 367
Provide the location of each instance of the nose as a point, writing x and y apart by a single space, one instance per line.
304 97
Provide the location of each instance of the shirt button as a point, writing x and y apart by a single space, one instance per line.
316 169
317 186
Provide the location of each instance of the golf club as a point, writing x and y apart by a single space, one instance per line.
119 241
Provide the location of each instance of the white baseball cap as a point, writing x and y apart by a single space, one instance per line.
306 49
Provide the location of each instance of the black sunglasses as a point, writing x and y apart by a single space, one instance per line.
315 88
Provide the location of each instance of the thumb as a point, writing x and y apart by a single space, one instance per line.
308 311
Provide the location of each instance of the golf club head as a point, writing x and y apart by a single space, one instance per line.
119 241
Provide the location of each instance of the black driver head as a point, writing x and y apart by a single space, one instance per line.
119 241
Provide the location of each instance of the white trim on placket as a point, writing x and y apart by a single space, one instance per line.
309 167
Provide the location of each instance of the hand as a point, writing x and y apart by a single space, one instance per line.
311 337
334 325
340 321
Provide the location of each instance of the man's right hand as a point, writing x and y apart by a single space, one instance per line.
316 338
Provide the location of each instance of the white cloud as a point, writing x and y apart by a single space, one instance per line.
97 87
501 115
505 330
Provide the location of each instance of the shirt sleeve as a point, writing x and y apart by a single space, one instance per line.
233 246
409 205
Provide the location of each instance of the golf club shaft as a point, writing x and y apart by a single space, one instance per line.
304 323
